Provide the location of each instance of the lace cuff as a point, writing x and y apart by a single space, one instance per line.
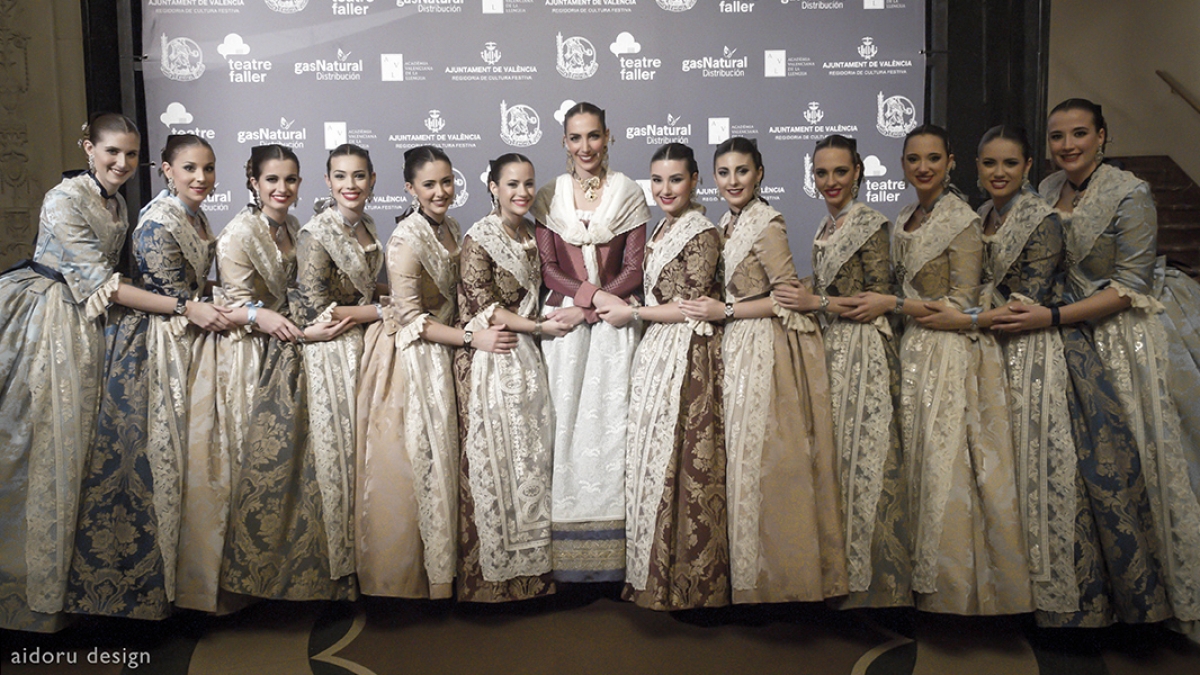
483 319
793 320
1140 300
100 299
412 331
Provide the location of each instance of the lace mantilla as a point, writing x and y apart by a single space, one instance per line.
197 251
832 252
441 264
1026 215
749 226
1096 209
913 250
749 354
252 228
329 228
508 254
862 415
659 253
622 208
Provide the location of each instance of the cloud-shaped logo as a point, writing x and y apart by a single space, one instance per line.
176 113
483 176
873 167
233 46
625 44
561 113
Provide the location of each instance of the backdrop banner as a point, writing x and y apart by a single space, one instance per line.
480 78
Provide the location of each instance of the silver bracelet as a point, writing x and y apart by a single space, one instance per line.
824 302
379 310
899 308
974 321
636 315
252 314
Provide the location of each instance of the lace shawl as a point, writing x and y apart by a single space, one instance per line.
622 208
832 252
252 227
329 228
1096 208
913 250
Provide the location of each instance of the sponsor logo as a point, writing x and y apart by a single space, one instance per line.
434 122
879 191
335 134
460 189
287 6
814 113
591 6
735 7
561 113
182 59
677 5
775 63
868 49
386 202
896 117
718 130
490 54
633 68
576 58
818 4
284 135
873 168
505 6
218 200
434 6
873 4
177 118
658 134
361 137
810 182
884 4
520 125
341 68
493 6
196 6
391 67
492 70
351 7
242 71
727 65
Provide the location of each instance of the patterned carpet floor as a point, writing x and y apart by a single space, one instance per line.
583 632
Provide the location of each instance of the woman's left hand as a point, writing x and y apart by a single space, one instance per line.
944 317
703 309
1020 318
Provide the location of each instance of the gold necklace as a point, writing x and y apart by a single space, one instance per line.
589 187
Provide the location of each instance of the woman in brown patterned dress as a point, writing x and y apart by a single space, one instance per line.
852 254
677 543
505 422
785 525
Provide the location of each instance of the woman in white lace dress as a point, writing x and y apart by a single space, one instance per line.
591 237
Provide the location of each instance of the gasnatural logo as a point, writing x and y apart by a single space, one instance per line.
287 6
897 116
182 59
868 49
490 54
434 6
810 183
677 5
576 58
218 200
520 125
460 189
814 113
658 134
284 135
727 65
341 68
434 122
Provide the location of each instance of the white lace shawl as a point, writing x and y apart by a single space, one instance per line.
251 226
913 250
510 256
861 223
329 228
416 233
622 208
1097 207
1003 248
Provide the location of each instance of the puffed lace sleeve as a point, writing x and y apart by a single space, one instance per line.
85 264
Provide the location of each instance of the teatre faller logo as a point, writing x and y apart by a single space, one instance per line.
182 59
243 71
576 58
520 125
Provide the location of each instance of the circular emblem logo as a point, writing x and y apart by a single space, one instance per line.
460 189
896 117
287 6
677 5
182 59
576 58
520 125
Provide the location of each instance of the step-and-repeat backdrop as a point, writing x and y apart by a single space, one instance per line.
480 78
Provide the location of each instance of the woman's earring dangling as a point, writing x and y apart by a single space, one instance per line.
257 201
92 163
1100 156
171 185
854 191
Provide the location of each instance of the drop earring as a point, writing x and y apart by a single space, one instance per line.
171 185
92 163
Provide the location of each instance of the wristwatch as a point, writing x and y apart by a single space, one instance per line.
467 336
728 311
181 306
